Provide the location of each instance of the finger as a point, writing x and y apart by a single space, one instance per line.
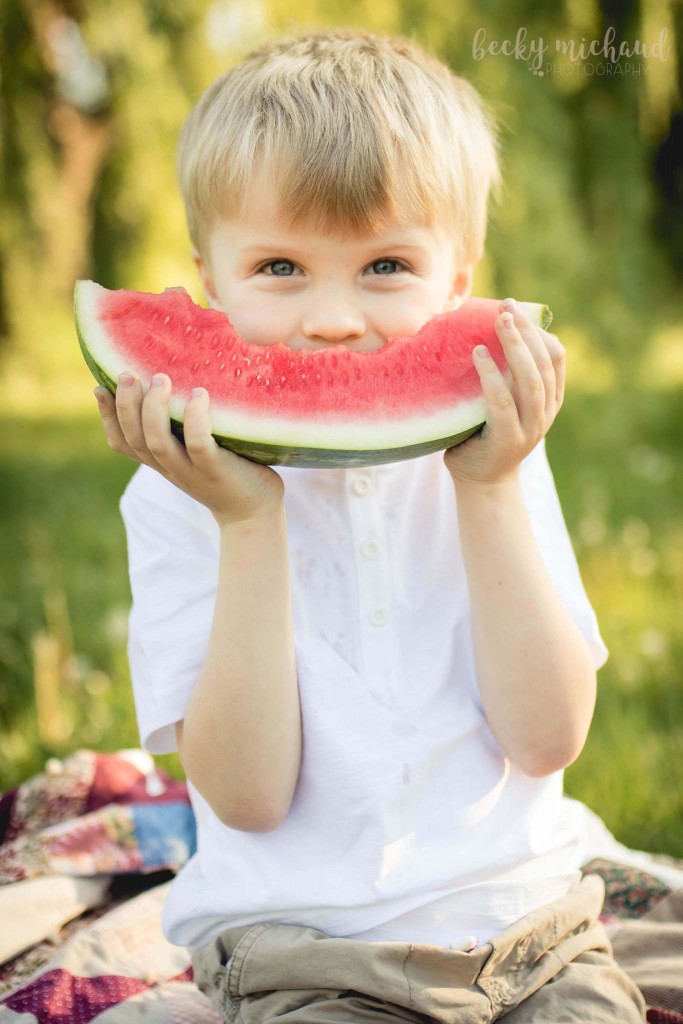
558 354
202 448
527 384
128 404
165 449
502 413
531 368
112 428
547 362
199 449
129 399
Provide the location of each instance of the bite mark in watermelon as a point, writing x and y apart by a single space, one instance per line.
329 407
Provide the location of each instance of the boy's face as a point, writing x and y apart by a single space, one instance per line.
308 289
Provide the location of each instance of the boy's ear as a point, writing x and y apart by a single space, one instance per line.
206 279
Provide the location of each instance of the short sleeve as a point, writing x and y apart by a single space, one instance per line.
173 560
552 537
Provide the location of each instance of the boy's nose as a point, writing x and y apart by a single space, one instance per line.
333 322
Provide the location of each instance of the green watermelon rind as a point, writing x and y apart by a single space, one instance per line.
271 454
321 458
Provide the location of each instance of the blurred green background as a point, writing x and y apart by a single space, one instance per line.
591 222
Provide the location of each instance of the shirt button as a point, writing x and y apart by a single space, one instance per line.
361 485
378 616
370 549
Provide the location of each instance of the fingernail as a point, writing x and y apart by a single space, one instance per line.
197 392
508 322
125 380
509 304
99 395
158 380
481 351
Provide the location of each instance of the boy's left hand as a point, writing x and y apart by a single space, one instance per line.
520 414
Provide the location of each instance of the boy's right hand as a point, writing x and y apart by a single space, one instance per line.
138 425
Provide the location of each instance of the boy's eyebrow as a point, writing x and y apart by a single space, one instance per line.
252 250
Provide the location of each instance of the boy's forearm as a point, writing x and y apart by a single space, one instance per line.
241 737
536 678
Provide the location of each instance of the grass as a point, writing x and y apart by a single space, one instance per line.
64 599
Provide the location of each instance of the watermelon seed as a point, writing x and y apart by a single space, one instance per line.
234 357
218 355
257 360
206 362
173 359
166 319
222 366
215 342
237 371
247 360
195 367
267 383
188 329
282 380
258 376
317 377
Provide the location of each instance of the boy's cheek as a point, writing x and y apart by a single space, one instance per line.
258 327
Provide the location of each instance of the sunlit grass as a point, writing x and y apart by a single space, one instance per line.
64 599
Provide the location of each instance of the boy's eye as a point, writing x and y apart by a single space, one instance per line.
388 261
287 264
285 268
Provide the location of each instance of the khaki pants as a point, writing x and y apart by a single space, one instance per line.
553 965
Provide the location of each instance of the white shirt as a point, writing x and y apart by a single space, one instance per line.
408 822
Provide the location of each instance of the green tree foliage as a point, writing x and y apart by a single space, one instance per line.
93 96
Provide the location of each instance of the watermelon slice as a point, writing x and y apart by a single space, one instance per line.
329 407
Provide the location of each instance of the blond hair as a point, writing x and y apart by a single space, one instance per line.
352 129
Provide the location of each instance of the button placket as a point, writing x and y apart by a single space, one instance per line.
370 548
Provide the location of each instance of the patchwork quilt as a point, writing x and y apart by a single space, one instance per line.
89 847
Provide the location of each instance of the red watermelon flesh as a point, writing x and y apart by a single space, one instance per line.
307 407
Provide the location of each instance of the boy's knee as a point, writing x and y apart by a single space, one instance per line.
592 987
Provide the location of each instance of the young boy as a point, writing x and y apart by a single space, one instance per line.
375 677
